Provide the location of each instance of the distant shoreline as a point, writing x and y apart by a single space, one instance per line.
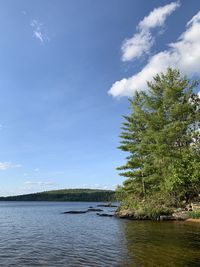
64 195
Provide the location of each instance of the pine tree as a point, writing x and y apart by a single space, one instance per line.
131 136
162 138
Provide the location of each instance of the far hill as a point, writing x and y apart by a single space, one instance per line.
66 195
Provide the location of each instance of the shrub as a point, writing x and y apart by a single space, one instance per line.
194 214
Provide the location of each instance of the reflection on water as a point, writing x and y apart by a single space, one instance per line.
163 243
37 234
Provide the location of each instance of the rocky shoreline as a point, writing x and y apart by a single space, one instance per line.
179 214
128 214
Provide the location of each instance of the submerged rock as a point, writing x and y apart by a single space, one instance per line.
75 212
81 211
167 218
108 205
93 209
105 214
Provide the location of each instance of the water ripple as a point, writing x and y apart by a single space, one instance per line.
37 234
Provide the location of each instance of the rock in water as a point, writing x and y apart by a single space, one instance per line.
93 209
75 212
108 205
105 215
167 218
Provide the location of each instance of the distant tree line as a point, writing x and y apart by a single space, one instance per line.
66 195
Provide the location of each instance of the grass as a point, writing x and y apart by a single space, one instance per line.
195 214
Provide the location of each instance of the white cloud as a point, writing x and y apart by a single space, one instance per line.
135 47
183 54
98 186
103 186
36 170
158 16
142 41
39 183
38 31
8 165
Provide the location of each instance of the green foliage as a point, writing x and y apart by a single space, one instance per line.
194 214
66 195
162 138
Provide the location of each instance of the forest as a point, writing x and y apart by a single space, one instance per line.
66 195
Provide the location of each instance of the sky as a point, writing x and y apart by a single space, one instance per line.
67 69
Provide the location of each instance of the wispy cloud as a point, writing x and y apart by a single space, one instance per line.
99 186
40 183
183 54
8 165
38 31
142 41
2 126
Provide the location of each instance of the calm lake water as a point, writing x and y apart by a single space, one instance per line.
38 234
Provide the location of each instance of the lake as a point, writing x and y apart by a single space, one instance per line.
38 234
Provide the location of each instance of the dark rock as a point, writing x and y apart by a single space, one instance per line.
167 218
105 215
108 205
90 207
93 209
143 217
75 212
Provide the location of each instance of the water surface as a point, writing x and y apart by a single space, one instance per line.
38 234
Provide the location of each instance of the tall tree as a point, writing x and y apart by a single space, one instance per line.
131 136
162 138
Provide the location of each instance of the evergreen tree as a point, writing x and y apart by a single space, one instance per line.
162 138
131 136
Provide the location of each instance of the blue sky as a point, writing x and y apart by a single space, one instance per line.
66 70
